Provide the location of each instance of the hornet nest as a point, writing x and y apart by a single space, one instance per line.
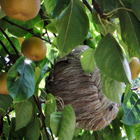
83 91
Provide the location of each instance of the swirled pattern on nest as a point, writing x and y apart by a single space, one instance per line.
83 91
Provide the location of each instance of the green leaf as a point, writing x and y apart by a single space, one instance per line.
130 32
129 132
15 135
108 5
6 129
5 102
112 89
72 26
50 108
20 80
23 113
55 122
87 60
2 14
55 7
68 121
111 60
32 131
136 8
113 132
87 136
131 110
137 132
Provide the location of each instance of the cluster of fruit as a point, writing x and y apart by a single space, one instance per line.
33 48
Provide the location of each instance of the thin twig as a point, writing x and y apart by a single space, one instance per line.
17 53
28 30
87 5
51 134
42 116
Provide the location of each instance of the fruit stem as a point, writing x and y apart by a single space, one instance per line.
17 53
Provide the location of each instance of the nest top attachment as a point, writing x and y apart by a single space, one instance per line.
83 91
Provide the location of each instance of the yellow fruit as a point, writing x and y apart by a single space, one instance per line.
3 85
20 9
34 48
134 67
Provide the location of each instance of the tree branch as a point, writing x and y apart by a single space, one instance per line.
37 100
28 30
17 53
97 8
87 5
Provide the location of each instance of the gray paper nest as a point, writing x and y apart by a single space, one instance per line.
83 91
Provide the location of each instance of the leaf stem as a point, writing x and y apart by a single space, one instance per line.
37 100
17 53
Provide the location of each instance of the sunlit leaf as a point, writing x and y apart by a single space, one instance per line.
87 60
111 60
20 80
72 26
131 110
137 132
67 127
23 113
130 32
112 89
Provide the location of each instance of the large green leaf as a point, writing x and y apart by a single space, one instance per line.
32 131
62 123
112 89
112 133
111 60
137 132
72 26
131 110
68 121
50 108
130 32
5 102
87 60
20 80
136 8
23 113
